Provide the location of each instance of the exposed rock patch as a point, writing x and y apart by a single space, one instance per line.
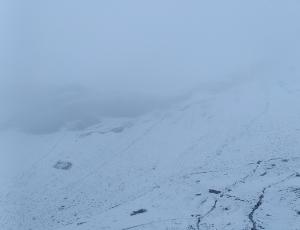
63 165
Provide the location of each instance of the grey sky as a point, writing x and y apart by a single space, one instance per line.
66 57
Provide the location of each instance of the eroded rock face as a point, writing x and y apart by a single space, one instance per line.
63 165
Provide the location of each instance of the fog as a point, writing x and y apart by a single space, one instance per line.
77 61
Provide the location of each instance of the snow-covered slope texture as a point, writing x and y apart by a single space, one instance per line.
227 158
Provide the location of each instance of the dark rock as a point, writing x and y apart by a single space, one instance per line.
80 223
263 174
63 165
214 191
140 211
117 129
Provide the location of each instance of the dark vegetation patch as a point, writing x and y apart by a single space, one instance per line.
137 212
63 165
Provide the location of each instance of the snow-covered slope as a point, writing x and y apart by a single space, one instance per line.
227 158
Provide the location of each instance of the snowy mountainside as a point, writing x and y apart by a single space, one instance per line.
227 158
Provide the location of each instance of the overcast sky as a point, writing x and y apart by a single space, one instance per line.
67 60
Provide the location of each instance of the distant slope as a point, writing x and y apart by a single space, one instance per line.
227 158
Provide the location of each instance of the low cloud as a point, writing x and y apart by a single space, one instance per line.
76 62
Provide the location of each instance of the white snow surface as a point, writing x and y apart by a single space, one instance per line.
226 158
